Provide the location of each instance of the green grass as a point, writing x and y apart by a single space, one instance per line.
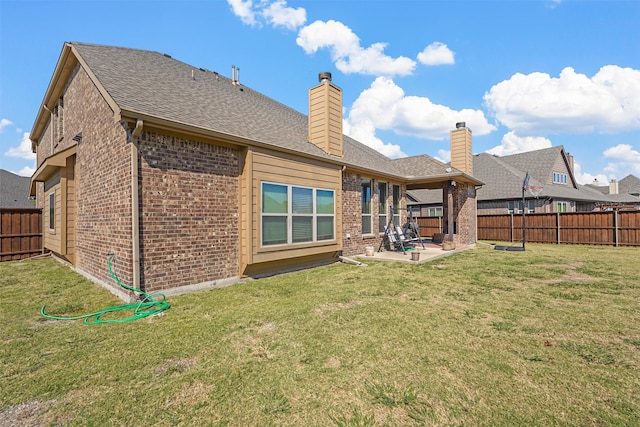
549 336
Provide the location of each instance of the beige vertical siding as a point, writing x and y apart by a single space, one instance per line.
293 171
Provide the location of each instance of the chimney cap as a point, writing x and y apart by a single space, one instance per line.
324 76
461 125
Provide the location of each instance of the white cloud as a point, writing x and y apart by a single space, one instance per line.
4 123
513 144
622 158
347 53
23 150
244 11
384 106
26 171
537 103
275 13
365 132
444 156
587 178
436 54
279 15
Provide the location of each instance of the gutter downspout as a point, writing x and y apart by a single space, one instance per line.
135 199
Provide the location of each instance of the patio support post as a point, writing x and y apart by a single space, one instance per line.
450 211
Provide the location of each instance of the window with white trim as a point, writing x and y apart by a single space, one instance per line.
382 206
562 207
294 214
434 211
513 208
396 204
531 206
365 198
559 178
52 211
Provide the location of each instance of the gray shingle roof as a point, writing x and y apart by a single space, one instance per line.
539 163
630 184
153 84
14 191
504 176
421 165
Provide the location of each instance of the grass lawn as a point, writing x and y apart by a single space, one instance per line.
550 336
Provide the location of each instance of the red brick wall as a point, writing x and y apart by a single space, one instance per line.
464 213
103 193
103 182
352 214
189 218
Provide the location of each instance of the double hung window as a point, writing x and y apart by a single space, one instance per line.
52 211
366 206
396 204
382 206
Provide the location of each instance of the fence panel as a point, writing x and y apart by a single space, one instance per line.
20 233
541 228
583 228
429 225
495 227
628 228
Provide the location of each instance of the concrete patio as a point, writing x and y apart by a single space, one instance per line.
430 252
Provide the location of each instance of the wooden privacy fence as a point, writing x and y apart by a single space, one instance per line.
20 233
429 225
611 228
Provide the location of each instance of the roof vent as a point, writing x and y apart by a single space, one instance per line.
461 125
235 75
324 77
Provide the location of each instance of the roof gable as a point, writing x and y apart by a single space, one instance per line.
630 184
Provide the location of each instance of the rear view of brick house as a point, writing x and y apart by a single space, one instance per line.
192 179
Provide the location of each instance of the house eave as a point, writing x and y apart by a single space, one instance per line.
435 181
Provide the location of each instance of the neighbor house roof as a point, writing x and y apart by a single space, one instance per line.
152 86
630 184
504 176
14 190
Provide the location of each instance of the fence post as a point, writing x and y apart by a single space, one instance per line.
615 228
558 228
511 227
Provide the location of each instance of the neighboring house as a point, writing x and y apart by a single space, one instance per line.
14 191
550 169
193 180
624 194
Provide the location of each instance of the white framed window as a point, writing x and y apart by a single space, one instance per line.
531 206
293 214
365 198
52 211
434 211
562 207
383 192
559 178
517 207
396 204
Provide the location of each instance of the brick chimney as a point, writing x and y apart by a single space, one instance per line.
325 116
461 154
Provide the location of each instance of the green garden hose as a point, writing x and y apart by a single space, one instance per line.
146 307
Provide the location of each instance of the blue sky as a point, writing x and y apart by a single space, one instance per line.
522 74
